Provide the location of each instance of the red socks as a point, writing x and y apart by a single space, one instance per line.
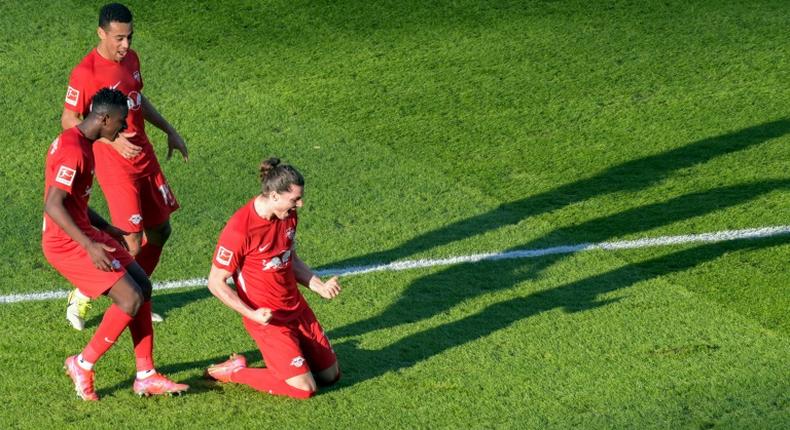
148 257
142 331
112 325
265 380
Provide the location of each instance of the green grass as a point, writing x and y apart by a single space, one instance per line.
432 129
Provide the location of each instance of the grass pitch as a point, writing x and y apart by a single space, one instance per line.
426 130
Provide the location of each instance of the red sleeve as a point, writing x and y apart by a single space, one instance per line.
139 70
77 92
229 251
66 163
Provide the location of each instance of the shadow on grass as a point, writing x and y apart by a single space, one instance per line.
629 176
420 299
163 302
360 365
197 384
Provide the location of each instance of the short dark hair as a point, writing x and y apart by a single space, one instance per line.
108 99
114 12
279 177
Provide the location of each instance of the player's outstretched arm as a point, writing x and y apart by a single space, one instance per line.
217 284
305 276
54 207
174 140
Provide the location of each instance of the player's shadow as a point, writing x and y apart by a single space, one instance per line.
428 296
360 365
626 177
162 302
198 383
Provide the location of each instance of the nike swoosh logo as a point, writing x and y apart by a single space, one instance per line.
108 340
116 85
263 248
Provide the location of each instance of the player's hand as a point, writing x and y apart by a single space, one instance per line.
328 290
175 142
118 235
261 316
100 257
122 145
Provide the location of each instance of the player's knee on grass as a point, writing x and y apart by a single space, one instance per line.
127 295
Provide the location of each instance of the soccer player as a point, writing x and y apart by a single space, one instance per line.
257 248
83 248
138 196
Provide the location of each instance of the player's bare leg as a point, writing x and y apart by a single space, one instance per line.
328 376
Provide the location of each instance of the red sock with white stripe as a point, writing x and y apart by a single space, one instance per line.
265 380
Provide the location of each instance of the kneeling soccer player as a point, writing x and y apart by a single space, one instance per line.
257 248
87 250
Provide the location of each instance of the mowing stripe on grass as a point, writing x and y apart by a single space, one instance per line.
719 236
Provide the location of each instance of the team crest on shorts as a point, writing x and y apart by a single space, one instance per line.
135 219
297 361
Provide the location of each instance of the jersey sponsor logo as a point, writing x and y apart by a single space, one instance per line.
297 361
54 146
135 219
224 256
133 100
136 75
72 96
277 263
65 175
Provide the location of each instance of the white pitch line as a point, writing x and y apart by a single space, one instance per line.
719 236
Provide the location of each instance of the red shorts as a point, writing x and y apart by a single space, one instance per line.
74 263
140 203
293 348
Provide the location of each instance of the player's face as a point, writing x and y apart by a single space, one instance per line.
116 40
288 201
113 123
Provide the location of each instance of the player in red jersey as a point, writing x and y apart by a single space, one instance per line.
257 248
84 248
138 196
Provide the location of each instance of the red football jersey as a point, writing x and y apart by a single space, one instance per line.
69 166
89 76
258 252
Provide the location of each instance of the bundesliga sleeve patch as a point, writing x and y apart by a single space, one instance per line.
65 175
72 96
224 256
